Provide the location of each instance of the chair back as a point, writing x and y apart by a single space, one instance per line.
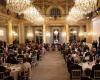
96 74
76 74
26 75
1 75
20 60
34 60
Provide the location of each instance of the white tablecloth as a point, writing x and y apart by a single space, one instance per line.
15 70
87 65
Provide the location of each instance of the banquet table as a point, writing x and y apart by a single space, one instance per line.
16 69
86 65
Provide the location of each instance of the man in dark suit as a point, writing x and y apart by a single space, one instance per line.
11 59
95 67
69 63
87 74
75 66
7 75
2 68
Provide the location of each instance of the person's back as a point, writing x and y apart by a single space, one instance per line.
7 75
2 69
87 74
76 66
11 59
95 67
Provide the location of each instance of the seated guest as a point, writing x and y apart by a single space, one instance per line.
69 63
11 59
95 67
75 66
27 66
2 68
87 75
7 76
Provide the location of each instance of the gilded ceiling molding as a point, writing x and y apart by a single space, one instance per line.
59 7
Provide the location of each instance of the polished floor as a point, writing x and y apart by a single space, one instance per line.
51 67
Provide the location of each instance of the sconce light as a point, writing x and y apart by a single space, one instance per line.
74 32
90 33
1 32
36 32
63 34
81 34
29 34
56 32
47 34
15 33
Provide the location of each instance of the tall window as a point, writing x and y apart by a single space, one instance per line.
55 12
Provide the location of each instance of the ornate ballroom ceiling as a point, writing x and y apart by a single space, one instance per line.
43 5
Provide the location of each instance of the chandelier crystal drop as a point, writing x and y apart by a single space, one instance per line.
18 5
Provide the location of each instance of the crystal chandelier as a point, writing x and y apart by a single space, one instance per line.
18 5
86 5
32 15
81 8
74 15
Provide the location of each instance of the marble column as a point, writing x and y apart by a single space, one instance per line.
81 33
89 28
21 30
30 33
67 33
44 33
10 32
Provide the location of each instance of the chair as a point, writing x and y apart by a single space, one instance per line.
96 74
34 60
76 74
1 75
20 60
26 74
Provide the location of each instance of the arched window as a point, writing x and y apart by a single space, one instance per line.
55 12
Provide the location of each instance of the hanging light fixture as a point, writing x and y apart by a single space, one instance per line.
18 5
81 8
33 15
74 15
86 5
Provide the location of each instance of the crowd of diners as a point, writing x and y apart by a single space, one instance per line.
79 56
20 54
